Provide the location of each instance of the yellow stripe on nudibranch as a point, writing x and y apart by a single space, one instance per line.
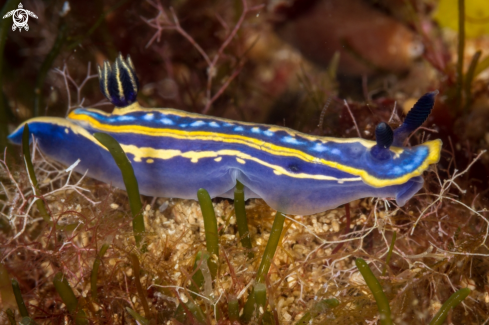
433 147
151 131
201 135
194 156
68 125
135 107
118 78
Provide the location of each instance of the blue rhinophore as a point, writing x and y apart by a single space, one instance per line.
416 117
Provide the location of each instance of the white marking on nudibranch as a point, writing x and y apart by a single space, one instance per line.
214 124
167 121
228 124
291 140
268 133
218 159
241 161
408 167
125 118
319 147
336 151
197 123
255 130
149 116
238 129
67 131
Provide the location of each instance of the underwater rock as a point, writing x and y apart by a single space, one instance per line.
368 40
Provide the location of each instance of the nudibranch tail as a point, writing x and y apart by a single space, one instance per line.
119 82
415 118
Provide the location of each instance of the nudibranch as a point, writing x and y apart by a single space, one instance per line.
175 153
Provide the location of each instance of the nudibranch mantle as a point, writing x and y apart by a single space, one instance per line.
174 153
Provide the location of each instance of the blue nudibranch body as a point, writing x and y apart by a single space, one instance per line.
174 153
